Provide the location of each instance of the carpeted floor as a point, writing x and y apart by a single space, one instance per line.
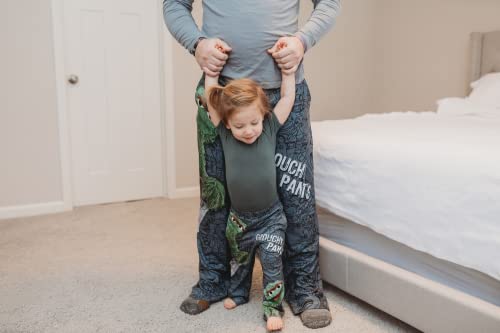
126 268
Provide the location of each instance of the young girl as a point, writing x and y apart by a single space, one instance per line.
247 129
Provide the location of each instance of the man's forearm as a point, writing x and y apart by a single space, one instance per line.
180 22
321 20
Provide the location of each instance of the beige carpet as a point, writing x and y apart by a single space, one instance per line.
126 268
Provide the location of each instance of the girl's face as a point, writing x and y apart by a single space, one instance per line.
246 123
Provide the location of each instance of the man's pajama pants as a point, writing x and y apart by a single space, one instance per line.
294 169
247 233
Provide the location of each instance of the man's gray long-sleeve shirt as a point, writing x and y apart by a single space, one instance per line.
250 28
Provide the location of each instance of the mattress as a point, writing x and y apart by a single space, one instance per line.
427 180
369 242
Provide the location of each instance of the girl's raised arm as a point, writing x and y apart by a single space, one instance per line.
285 104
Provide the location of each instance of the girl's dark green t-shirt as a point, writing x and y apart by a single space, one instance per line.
250 168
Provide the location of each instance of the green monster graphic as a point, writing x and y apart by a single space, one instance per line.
212 190
235 227
273 295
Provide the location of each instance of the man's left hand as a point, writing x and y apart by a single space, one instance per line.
288 53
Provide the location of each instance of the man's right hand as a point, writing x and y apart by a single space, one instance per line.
211 55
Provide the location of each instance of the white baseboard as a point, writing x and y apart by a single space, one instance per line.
186 192
10 212
33 209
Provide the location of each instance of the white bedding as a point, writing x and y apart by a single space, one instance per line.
428 180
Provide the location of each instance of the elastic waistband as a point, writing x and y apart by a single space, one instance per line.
259 214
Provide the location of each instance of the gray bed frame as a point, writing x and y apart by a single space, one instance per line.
425 304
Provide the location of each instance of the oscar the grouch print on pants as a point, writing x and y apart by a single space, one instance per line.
235 227
273 295
212 190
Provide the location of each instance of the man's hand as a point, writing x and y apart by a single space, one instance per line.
211 55
288 53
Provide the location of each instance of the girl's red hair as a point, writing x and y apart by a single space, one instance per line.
237 93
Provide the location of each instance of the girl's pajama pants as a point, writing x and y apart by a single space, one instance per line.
247 233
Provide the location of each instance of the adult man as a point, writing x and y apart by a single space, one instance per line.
249 33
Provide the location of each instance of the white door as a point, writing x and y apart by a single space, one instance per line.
113 73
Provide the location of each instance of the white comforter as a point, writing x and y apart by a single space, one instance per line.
428 180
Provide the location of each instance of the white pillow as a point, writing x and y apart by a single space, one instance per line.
452 105
486 90
456 106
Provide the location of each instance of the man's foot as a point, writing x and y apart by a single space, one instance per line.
274 324
316 318
229 304
194 306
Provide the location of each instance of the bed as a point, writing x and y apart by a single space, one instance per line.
409 205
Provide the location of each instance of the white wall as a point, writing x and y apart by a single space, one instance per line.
425 53
29 141
186 76
340 69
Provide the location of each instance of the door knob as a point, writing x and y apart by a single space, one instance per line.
73 79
